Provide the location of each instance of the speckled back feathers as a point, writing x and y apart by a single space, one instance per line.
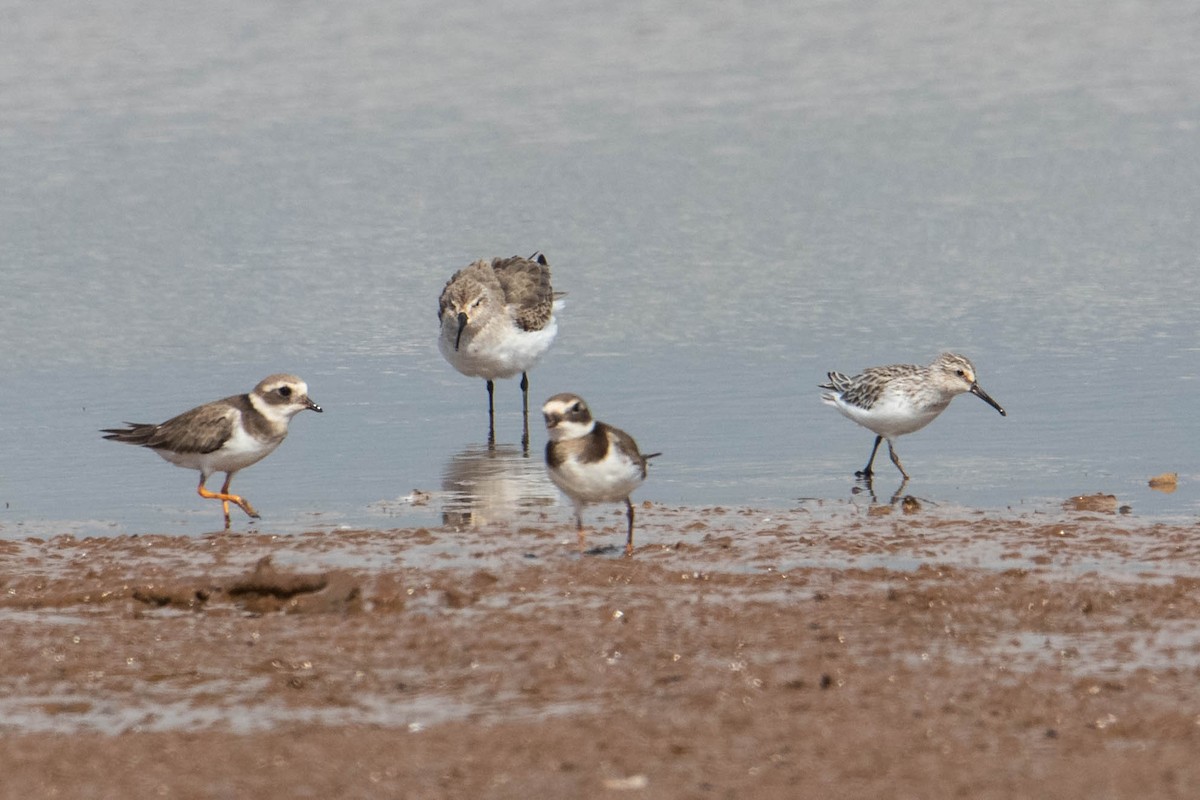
521 284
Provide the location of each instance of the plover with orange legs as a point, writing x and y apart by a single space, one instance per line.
591 462
225 435
497 321
899 399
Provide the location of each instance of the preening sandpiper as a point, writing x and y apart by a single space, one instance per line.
497 320
898 399
591 462
225 435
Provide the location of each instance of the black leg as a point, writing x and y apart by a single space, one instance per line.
896 461
866 472
629 537
491 414
525 414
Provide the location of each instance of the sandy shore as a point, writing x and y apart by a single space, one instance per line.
812 653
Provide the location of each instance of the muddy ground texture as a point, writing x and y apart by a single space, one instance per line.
894 652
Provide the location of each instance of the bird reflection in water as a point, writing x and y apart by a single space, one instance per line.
486 484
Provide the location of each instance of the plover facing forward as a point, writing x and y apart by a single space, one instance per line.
898 399
591 462
225 435
497 320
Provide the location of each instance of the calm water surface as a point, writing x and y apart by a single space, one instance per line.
735 199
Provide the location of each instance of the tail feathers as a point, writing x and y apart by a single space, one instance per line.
837 381
133 433
646 461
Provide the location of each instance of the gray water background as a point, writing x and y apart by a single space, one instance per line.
736 198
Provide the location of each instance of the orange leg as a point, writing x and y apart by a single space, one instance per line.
579 529
226 498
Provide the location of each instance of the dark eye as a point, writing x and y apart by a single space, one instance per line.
960 373
286 391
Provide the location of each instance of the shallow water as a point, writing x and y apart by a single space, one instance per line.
735 201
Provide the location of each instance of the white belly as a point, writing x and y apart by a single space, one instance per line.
239 452
500 350
611 479
890 418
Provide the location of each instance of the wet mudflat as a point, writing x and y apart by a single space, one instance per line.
821 652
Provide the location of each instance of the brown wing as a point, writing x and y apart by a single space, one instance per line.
626 443
201 430
526 286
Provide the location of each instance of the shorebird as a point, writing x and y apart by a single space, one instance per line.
591 462
225 435
497 320
898 399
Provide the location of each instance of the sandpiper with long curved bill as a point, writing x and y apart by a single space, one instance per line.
497 321
591 462
225 435
898 399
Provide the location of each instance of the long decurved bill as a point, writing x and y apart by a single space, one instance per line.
987 398
462 325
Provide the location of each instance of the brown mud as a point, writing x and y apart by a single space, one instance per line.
901 652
